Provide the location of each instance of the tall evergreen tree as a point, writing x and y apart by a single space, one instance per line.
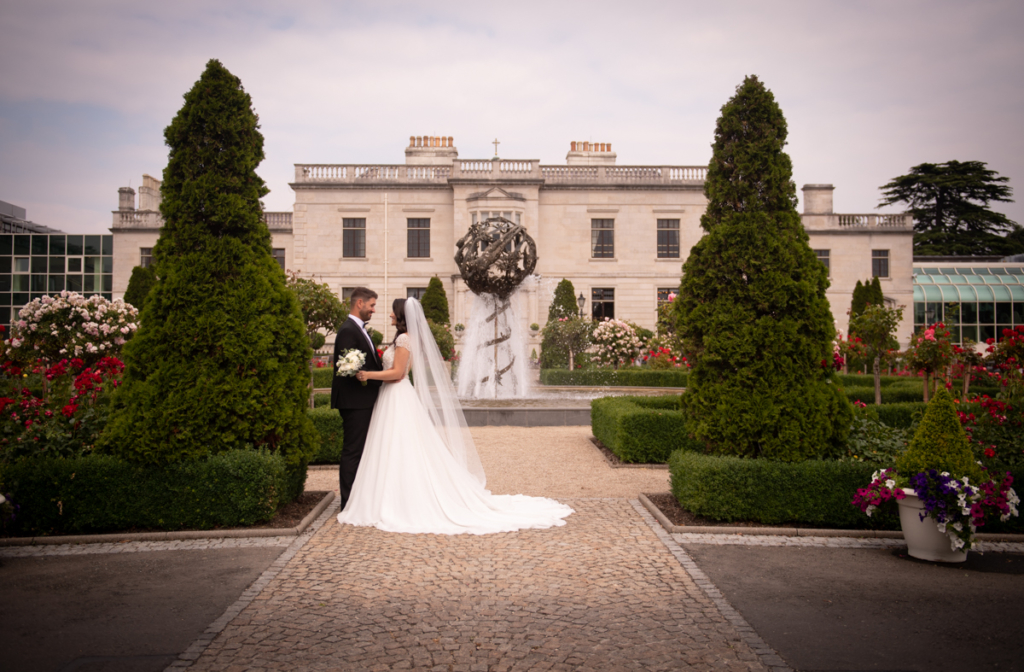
876 297
860 300
752 313
142 280
435 302
564 302
221 358
950 204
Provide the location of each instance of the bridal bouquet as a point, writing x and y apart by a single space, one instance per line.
350 362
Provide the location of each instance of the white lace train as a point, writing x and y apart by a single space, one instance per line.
409 482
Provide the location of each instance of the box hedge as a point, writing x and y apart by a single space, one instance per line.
103 493
633 376
640 429
322 378
332 433
813 492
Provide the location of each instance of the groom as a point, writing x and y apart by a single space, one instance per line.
353 399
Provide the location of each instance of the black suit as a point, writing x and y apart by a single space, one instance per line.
354 402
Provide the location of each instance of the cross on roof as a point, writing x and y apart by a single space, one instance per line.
495 143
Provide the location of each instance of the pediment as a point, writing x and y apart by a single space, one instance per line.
496 194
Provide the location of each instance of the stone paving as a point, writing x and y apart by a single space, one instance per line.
605 592
142 546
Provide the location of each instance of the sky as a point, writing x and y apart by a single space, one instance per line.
869 89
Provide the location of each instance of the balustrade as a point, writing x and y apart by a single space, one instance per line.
846 221
497 169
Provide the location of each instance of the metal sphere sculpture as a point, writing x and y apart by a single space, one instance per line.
495 256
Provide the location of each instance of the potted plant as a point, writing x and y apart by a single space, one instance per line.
459 328
943 495
534 327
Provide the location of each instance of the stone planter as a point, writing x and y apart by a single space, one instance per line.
924 541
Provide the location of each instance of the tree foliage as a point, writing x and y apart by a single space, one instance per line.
752 313
142 280
876 328
564 302
221 357
435 302
866 294
950 205
321 308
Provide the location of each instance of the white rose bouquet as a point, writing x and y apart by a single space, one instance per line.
350 362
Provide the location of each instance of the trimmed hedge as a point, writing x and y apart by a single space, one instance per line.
901 415
332 432
322 378
813 492
628 377
640 429
322 400
891 394
103 493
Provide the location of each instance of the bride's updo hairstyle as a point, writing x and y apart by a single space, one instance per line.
398 308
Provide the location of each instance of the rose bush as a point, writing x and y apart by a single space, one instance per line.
70 326
616 343
930 353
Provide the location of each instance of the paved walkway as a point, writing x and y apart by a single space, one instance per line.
608 591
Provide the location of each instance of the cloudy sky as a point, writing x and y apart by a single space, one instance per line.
869 88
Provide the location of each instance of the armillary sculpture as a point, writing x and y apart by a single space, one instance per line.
494 257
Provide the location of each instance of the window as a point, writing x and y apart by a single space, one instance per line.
145 256
353 237
823 257
602 239
278 253
415 292
880 263
602 303
418 238
346 293
668 239
510 216
21 264
664 292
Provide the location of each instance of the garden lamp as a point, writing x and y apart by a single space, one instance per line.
580 301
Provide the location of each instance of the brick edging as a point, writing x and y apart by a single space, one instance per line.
175 535
797 531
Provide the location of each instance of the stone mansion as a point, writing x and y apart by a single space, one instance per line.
619 233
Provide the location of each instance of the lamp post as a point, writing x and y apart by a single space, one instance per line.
580 301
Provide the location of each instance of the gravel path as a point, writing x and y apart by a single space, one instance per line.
554 462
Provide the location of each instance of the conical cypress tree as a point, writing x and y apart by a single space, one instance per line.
876 297
435 302
752 312
220 360
564 302
142 280
859 300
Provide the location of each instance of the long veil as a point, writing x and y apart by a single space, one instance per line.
433 385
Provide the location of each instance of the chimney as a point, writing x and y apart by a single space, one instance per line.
818 199
126 199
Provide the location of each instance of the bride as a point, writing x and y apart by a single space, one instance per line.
420 471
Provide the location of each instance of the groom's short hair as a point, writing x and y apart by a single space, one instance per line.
362 294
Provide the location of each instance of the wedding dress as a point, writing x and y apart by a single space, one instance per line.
419 472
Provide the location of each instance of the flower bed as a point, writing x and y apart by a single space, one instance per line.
101 493
627 377
639 429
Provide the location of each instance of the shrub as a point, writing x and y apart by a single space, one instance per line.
443 338
633 376
332 433
811 492
616 342
752 313
221 359
562 336
901 415
940 443
323 377
563 305
435 303
102 493
640 429
142 280
68 326
321 308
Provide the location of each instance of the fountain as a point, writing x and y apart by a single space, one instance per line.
495 257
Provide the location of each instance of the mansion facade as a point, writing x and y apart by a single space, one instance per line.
619 233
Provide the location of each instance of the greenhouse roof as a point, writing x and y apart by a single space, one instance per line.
970 283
